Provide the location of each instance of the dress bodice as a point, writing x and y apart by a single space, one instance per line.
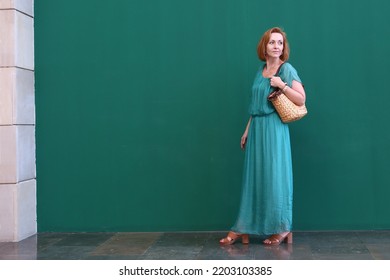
261 88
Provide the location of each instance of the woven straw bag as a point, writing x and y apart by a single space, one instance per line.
287 110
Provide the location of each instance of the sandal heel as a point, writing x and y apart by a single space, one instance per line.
232 237
245 239
289 238
277 239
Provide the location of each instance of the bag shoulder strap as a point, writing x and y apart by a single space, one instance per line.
275 92
277 72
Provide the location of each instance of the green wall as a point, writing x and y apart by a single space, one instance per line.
141 106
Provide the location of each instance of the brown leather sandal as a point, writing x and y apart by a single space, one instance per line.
232 237
277 239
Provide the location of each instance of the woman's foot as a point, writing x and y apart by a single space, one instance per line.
232 237
276 239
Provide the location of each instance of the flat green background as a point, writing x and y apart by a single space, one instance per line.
141 106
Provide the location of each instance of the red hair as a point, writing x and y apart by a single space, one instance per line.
262 46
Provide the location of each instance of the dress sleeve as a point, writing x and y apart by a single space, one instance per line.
288 74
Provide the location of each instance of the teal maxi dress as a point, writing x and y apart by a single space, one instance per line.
267 186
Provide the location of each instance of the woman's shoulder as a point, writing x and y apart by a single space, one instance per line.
288 68
289 72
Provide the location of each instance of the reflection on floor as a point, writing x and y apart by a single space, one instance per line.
340 245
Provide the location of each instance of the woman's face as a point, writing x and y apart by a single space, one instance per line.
275 45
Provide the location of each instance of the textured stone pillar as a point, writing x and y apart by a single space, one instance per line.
17 121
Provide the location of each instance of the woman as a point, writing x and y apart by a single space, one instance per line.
266 203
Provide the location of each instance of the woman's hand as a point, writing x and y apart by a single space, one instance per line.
243 140
277 82
296 93
245 135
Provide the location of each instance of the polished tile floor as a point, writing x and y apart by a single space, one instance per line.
339 245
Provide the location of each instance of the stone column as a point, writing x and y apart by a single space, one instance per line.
17 121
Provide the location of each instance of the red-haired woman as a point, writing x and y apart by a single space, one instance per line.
267 192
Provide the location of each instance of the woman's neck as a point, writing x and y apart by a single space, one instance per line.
273 63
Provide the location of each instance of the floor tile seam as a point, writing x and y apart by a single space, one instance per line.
379 253
379 256
71 248
51 244
68 246
108 244
106 241
151 245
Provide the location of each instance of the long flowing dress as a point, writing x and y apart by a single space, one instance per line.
267 186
